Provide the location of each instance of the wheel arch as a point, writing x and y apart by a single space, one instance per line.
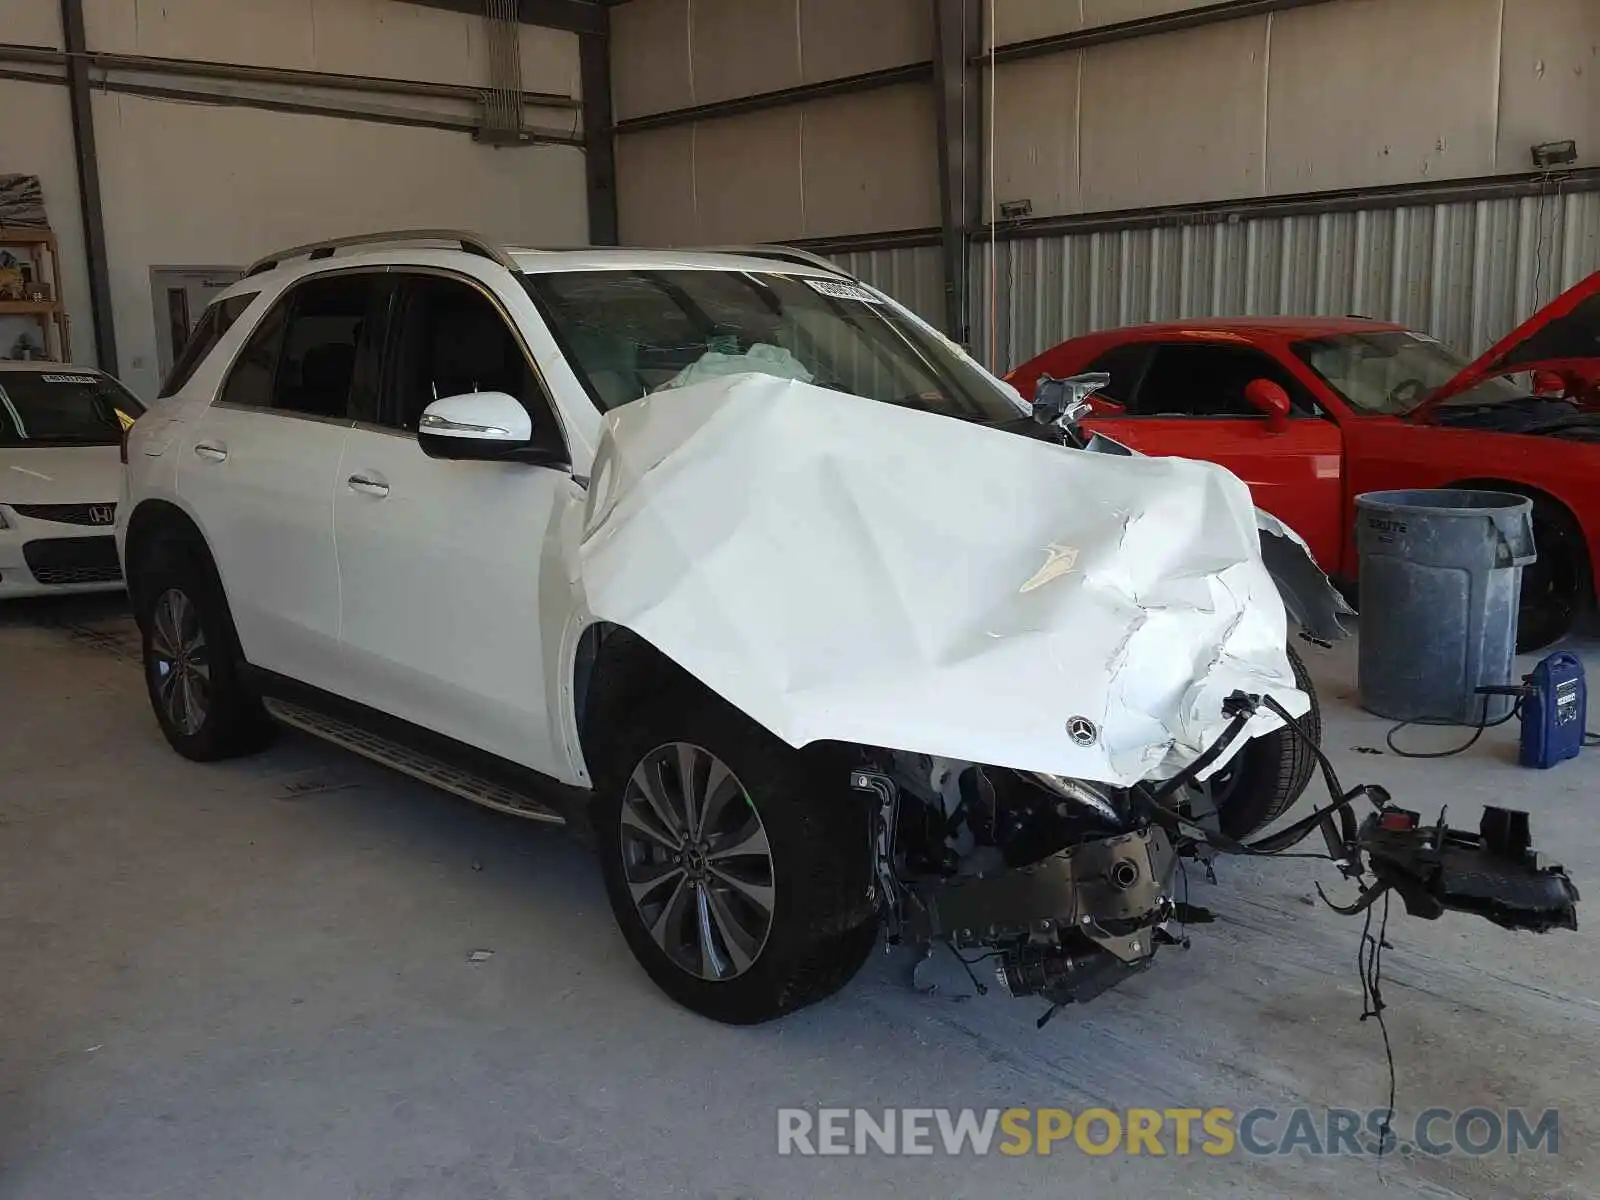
1587 536
153 523
614 669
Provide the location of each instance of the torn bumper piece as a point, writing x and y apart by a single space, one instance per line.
1494 874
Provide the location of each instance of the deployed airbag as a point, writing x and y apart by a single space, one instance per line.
844 569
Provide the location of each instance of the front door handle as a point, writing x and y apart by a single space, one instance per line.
368 485
211 451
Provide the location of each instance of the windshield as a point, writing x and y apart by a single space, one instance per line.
69 408
631 333
1392 371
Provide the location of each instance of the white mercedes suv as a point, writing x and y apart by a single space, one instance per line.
735 564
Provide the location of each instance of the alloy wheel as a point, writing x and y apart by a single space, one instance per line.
180 663
697 861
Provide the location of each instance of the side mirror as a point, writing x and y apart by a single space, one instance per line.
1271 400
475 425
1066 401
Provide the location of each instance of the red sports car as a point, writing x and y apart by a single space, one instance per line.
1311 412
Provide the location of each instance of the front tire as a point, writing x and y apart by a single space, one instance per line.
1271 772
1556 586
738 869
192 662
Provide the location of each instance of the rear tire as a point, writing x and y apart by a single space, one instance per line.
1556 587
689 907
192 663
1271 772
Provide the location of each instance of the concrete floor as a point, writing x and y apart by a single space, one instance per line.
253 980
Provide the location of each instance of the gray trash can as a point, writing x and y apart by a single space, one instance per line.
1441 574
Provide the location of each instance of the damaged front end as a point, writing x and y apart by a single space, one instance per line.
1049 875
1040 658
1068 886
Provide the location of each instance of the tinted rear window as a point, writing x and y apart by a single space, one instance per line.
213 326
66 408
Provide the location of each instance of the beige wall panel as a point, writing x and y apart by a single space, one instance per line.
358 37
852 37
273 33
742 47
655 187
747 177
30 22
650 57
1036 137
191 184
1024 20
1113 12
42 145
1549 79
1174 119
1368 92
870 163
549 61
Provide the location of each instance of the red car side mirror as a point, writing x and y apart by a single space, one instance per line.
1270 399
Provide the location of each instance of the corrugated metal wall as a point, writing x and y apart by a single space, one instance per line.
1466 272
912 275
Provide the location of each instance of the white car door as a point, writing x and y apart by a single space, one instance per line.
259 471
440 561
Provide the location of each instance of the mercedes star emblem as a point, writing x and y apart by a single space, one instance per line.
1082 731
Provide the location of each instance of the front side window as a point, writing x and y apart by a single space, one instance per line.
213 326
63 408
451 339
302 357
628 334
1209 380
1392 371
1126 365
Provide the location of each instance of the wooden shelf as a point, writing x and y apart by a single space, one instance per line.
24 235
28 308
50 315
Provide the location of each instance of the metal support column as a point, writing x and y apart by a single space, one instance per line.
94 225
599 136
958 38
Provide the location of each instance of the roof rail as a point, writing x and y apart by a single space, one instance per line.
472 243
783 254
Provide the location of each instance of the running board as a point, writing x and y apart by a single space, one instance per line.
425 767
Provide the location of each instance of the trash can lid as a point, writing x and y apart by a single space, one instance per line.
1443 501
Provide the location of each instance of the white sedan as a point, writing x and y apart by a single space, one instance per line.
61 431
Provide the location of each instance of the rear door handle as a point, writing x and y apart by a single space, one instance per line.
368 485
211 451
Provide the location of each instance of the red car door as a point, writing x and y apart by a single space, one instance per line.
1187 399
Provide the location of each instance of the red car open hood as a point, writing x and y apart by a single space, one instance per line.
1562 336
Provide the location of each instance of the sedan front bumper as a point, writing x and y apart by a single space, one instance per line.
40 557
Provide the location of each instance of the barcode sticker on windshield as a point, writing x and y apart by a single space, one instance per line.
841 289
85 379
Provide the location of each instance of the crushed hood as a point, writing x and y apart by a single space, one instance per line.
1563 336
843 569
